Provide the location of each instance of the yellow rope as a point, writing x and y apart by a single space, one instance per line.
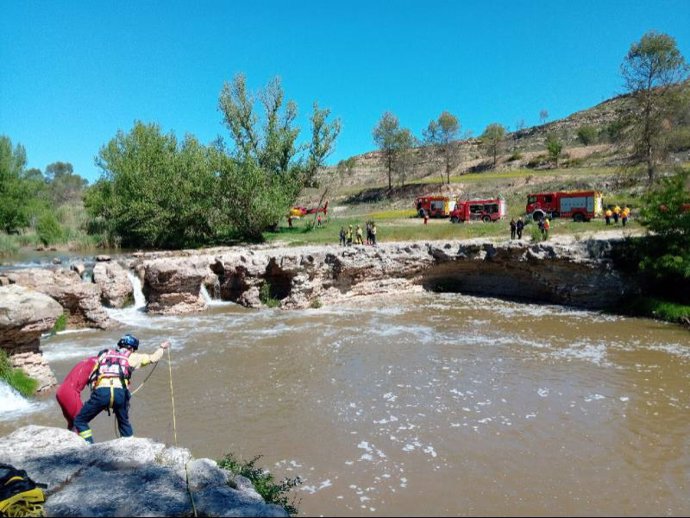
172 400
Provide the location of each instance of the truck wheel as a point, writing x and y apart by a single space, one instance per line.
578 217
556 214
537 215
420 213
453 219
486 219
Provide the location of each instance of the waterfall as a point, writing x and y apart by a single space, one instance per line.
12 403
139 299
204 293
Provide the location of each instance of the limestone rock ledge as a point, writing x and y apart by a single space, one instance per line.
131 476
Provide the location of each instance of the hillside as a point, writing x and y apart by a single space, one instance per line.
522 165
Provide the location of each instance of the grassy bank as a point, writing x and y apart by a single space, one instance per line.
16 378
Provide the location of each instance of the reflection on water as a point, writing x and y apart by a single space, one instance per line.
436 405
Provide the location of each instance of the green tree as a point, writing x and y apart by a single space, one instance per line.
265 170
492 139
443 134
587 135
63 185
153 192
554 147
404 155
650 70
395 144
14 192
665 212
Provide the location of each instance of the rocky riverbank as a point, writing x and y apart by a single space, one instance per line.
128 477
569 272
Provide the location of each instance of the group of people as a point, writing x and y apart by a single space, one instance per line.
349 236
108 375
617 213
516 228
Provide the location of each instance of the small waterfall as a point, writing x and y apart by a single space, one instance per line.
12 403
204 293
139 299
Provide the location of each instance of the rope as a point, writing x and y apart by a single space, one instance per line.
172 400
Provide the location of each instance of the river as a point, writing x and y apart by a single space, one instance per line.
431 404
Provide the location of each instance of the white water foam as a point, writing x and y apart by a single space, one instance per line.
12 404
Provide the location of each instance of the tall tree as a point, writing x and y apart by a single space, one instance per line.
13 190
492 139
394 142
554 146
63 185
266 169
404 155
543 115
443 134
650 69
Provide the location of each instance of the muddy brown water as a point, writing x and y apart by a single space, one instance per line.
428 404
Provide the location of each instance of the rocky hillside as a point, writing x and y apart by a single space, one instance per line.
521 149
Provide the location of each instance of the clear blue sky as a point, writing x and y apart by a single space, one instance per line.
73 73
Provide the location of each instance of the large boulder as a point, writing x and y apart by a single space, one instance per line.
131 476
25 315
113 280
80 299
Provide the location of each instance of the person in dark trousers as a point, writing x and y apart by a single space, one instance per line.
518 227
373 233
513 228
342 236
68 394
111 385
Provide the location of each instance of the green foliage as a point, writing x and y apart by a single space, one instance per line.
536 234
48 229
650 69
316 304
8 245
60 324
442 133
555 147
395 143
661 309
266 296
13 191
16 378
271 491
587 135
665 211
154 192
492 138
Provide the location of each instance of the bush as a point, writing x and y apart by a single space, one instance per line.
271 491
48 229
16 378
515 156
587 135
60 324
266 297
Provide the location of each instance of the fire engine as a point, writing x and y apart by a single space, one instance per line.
434 206
579 205
479 210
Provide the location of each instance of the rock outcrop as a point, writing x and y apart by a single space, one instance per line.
25 315
113 281
579 274
127 477
80 299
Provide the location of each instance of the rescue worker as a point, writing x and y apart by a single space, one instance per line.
342 236
360 236
348 235
608 215
373 233
545 229
625 213
513 228
518 227
68 394
111 376
616 213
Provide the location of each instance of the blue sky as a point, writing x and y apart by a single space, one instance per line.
73 73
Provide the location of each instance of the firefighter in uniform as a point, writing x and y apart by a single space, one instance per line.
110 377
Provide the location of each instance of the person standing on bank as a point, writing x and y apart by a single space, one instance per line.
111 385
513 228
518 227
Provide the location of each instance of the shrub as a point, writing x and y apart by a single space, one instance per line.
48 229
263 481
315 304
60 324
266 297
16 378
515 156
587 135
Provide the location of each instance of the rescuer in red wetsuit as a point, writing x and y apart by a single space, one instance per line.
68 394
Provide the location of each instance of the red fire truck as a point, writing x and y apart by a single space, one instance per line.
579 205
479 210
434 206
